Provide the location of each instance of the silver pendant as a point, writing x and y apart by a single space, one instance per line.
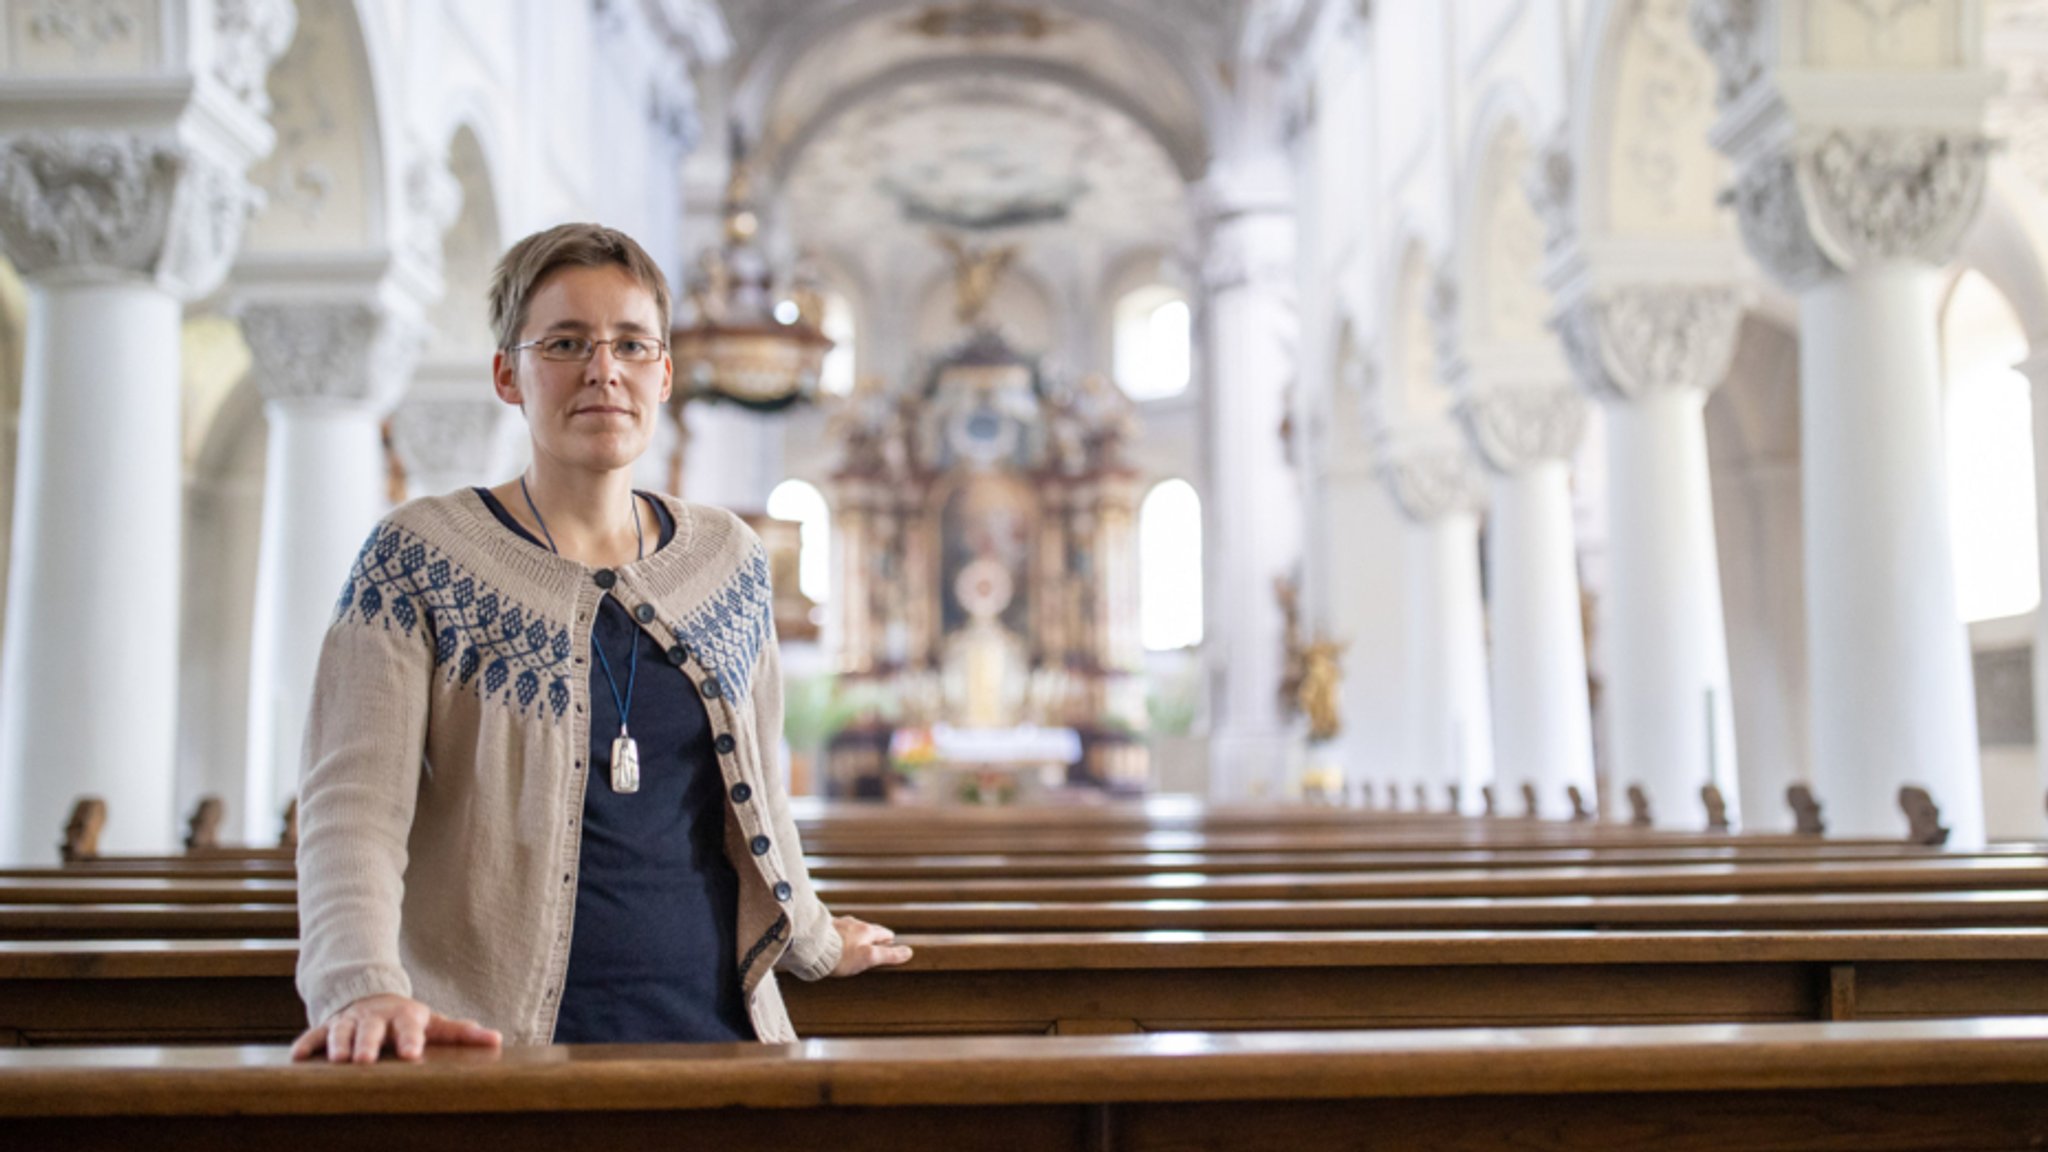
625 764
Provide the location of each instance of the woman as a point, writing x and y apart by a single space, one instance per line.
539 800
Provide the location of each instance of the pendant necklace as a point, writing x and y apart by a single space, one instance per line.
625 749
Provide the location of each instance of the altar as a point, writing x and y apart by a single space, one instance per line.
985 517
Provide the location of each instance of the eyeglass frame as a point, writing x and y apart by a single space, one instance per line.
588 356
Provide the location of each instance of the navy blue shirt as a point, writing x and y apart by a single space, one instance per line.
653 956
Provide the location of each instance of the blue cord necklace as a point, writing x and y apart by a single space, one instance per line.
625 749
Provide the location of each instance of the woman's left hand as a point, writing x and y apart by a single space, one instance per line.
866 946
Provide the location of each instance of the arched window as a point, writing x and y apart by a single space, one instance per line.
837 376
1990 448
1170 567
1152 343
802 502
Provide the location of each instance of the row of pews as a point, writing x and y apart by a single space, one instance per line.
1150 975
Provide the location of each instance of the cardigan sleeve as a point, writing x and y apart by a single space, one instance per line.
358 783
814 945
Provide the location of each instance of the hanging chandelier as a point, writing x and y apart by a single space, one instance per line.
751 340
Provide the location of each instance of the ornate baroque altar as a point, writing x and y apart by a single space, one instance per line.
986 520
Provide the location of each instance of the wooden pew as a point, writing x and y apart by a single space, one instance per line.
997 866
1647 880
1144 863
1906 874
73 992
1889 1087
1985 908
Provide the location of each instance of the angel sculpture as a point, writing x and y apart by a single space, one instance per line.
976 273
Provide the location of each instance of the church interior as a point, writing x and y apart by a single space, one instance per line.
1606 430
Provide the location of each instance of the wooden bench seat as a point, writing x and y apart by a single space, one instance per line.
1954 908
1901 874
1874 1087
1781 910
1142 863
997 866
1665 879
71 992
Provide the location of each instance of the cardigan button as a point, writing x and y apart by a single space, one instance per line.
644 613
742 792
760 845
709 687
782 890
678 654
605 578
725 744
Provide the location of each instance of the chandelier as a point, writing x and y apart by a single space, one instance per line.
750 340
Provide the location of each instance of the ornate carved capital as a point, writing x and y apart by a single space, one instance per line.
1629 341
1855 197
1434 479
348 352
248 37
1516 428
443 437
120 202
1728 31
1235 257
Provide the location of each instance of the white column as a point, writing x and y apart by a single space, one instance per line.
1542 718
2036 369
328 372
1858 222
1893 695
1651 353
1437 485
1253 504
111 230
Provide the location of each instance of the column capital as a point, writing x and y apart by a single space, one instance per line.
1517 428
443 437
1251 247
1848 198
120 204
1431 476
353 352
1626 341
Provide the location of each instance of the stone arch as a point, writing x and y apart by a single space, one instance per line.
1641 107
332 183
460 321
2007 244
1414 392
1499 261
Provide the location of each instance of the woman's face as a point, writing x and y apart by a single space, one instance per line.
598 414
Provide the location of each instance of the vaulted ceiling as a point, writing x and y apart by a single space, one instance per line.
1083 117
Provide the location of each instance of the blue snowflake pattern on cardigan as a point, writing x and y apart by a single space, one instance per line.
730 628
483 640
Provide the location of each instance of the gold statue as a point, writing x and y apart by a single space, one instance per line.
1320 678
976 273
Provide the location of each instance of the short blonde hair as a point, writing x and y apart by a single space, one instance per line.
531 261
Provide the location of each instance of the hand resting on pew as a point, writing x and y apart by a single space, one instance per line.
361 1032
866 946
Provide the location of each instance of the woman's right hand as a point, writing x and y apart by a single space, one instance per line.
361 1031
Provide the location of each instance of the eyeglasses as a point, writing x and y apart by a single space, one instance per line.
579 349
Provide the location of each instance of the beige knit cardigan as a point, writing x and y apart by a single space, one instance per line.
441 793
